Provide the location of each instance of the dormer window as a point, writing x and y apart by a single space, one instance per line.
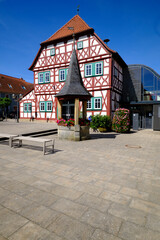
52 51
79 45
9 85
23 87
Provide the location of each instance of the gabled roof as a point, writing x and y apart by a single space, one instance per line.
74 85
10 84
76 22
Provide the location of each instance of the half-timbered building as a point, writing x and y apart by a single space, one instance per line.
101 69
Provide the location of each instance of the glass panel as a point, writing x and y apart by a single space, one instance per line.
88 70
41 78
148 78
29 107
49 106
62 75
47 77
25 107
98 68
89 106
42 106
97 103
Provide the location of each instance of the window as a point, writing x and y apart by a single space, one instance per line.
97 103
98 68
52 52
94 104
49 106
94 69
115 72
79 45
45 106
42 106
47 77
44 77
89 104
88 70
23 87
63 74
27 107
9 85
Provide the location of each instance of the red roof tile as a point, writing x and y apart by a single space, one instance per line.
76 22
14 85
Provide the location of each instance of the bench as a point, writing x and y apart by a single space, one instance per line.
46 142
8 136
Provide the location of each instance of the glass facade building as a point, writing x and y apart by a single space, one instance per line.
141 93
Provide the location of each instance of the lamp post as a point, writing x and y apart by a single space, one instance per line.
16 98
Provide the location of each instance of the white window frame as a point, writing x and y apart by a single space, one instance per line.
47 76
80 45
97 98
52 52
89 104
42 103
60 71
86 66
25 107
40 78
98 66
49 107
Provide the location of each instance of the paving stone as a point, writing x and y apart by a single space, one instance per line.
39 214
154 197
66 182
128 214
134 193
69 208
3 194
2 238
106 222
109 186
32 231
88 188
101 235
43 185
10 222
66 192
94 202
15 202
130 231
70 228
145 206
153 222
43 198
115 197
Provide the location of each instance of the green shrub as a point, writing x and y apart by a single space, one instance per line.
100 121
121 120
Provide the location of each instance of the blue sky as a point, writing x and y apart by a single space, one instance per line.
133 28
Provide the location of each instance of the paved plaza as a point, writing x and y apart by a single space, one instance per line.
105 188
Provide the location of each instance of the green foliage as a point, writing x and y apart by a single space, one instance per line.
5 102
121 120
100 121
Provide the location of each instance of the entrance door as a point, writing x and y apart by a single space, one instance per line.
68 109
148 119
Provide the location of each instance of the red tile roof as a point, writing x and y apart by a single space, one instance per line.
14 85
76 22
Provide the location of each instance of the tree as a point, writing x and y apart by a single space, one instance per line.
4 103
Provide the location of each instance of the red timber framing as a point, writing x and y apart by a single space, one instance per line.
105 86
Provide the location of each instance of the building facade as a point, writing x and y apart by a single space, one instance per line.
12 87
141 94
101 69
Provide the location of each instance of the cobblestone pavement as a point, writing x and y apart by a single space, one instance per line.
105 188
